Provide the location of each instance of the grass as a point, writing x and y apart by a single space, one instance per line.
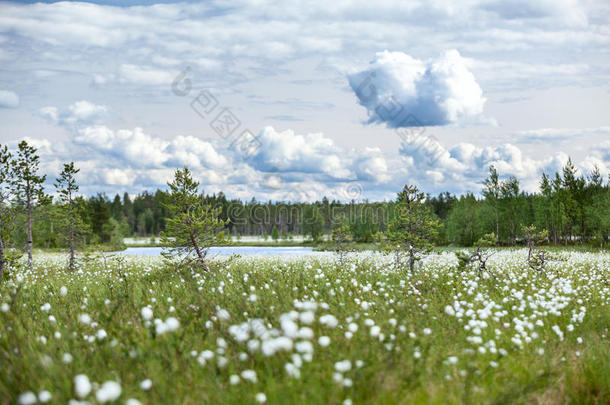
407 360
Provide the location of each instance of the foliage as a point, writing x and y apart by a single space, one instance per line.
192 226
413 228
341 238
28 186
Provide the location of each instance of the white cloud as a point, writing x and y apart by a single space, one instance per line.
395 88
8 99
77 114
145 75
315 154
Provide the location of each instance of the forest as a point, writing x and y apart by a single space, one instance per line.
573 208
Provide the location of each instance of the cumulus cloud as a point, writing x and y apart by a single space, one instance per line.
291 153
77 114
8 99
401 91
462 167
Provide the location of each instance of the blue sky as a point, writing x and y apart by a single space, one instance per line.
292 100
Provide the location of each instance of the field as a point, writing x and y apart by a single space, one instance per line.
307 330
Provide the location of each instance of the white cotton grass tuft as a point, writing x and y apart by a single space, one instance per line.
109 391
84 319
147 313
324 341
261 398
82 386
63 291
27 398
146 384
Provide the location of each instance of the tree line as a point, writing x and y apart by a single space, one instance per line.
571 208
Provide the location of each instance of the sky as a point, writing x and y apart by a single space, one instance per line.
291 100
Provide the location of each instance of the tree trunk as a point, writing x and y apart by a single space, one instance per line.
72 255
29 224
411 260
1 258
198 251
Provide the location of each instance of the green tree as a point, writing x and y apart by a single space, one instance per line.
275 234
491 192
413 228
6 224
72 223
28 187
341 238
313 223
192 226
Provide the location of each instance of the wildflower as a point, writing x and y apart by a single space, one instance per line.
306 317
101 334
427 331
63 291
249 375
292 370
343 366
109 391
82 386
146 384
44 396
324 341
27 398
261 398
329 320
132 401
84 319
46 307
146 313
234 379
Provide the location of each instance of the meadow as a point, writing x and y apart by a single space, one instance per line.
307 330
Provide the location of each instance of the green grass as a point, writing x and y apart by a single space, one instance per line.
403 306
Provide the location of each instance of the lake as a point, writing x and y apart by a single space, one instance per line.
231 250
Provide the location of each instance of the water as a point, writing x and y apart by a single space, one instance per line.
230 250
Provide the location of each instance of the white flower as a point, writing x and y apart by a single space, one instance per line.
82 386
324 341
66 358
84 319
132 401
146 384
329 320
4 307
27 398
63 291
306 317
427 331
375 330
249 375
452 360
234 379
109 391
292 370
101 334
261 398
343 366
46 307
147 313
223 314
172 324
44 396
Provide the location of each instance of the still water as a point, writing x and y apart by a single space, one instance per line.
231 250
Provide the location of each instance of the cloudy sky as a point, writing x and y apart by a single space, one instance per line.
291 100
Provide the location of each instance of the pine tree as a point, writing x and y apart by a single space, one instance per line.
413 228
341 237
5 220
72 223
28 186
491 192
275 234
192 226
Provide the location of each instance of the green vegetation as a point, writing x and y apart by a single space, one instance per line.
307 330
